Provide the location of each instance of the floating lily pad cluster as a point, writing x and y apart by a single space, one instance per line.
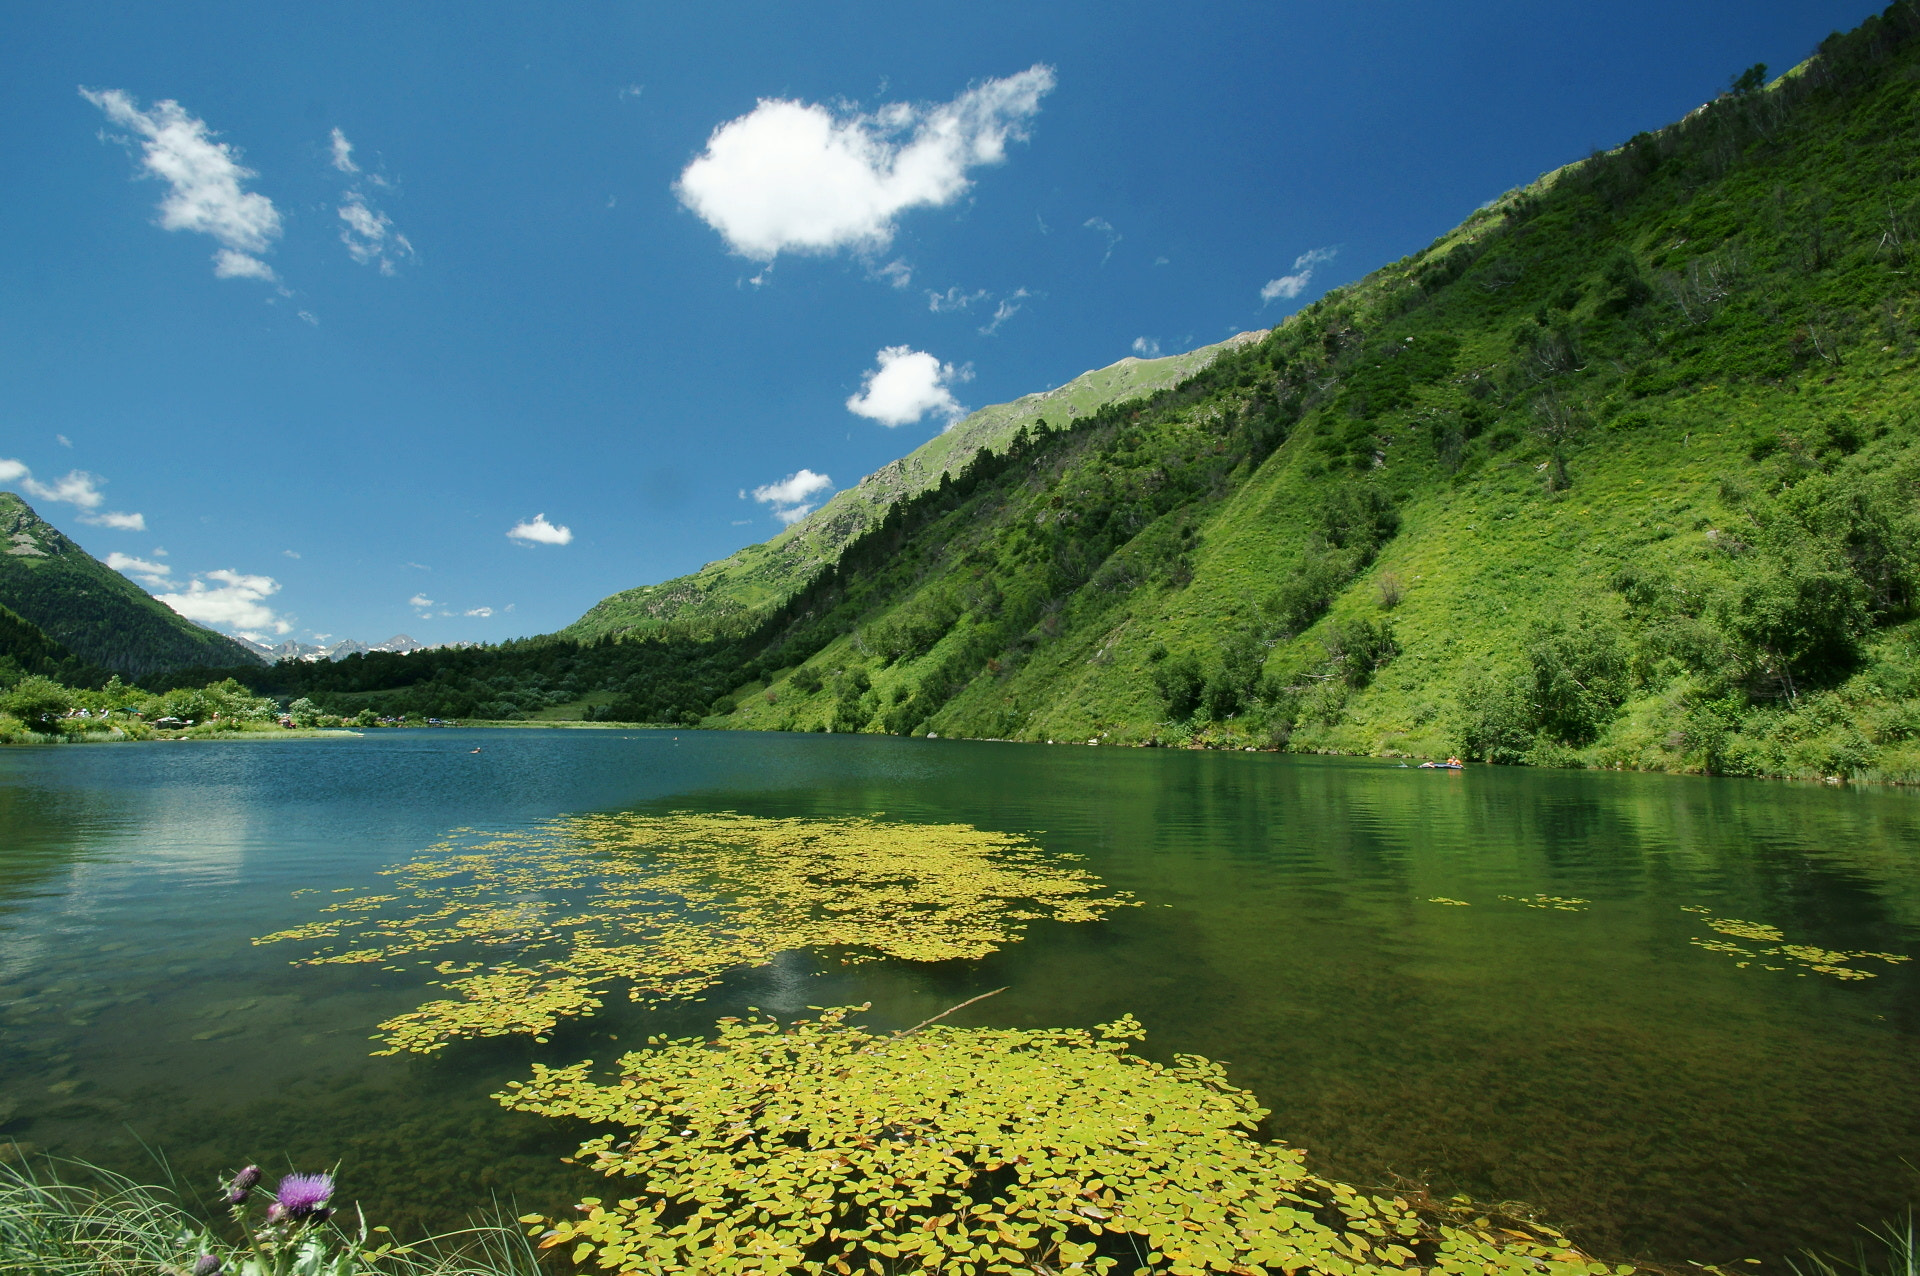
822 1146
667 904
1822 961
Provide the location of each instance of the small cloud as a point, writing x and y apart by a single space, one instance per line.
343 153
206 183
77 488
369 235
154 575
234 600
307 316
952 299
419 600
1146 347
538 531
1287 287
631 91
160 551
906 386
509 607
416 566
482 612
1009 307
895 272
1105 227
793 498
1159 261
742 522
63 440
794 176
290 553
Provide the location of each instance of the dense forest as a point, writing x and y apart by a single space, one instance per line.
1620 472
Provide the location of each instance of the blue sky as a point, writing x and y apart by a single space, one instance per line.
307 308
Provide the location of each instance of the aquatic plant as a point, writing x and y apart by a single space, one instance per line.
668 904
1822 961
1564 904
823 1146
110 1225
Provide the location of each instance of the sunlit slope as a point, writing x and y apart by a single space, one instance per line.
759 577
1623 471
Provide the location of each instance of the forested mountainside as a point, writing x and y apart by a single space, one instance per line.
1621 472
93 611
25 650
735 593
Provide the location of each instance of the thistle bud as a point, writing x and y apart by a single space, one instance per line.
243 1184
208 1265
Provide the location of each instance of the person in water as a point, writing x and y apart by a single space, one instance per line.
1455 762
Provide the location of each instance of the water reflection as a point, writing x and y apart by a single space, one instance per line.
1595 1062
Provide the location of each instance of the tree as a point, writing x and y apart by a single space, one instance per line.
1558 425
38 701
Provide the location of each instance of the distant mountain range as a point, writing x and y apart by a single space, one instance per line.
94 612
313 653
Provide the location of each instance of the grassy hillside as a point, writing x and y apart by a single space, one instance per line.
739 590
1621 472
93 611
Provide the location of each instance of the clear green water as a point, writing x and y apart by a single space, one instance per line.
1649 1094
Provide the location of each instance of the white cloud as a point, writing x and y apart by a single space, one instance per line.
235 600
952 299
206 183
482 612
538 531
798 177
63 440
1287 287
369 235
1105 227
366 231
1009 307
419 600
793 498
895 272
76 488
153 574
343 153
1146 347
906 386
631 90
290 553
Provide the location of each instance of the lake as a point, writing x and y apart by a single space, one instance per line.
1580 1030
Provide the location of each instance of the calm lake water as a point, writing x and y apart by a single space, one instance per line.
1653 1096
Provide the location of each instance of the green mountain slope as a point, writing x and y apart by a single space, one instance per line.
93 611
738 589
1623 472
24 649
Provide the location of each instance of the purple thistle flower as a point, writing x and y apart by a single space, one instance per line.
243 1183
207 1266
302 1194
